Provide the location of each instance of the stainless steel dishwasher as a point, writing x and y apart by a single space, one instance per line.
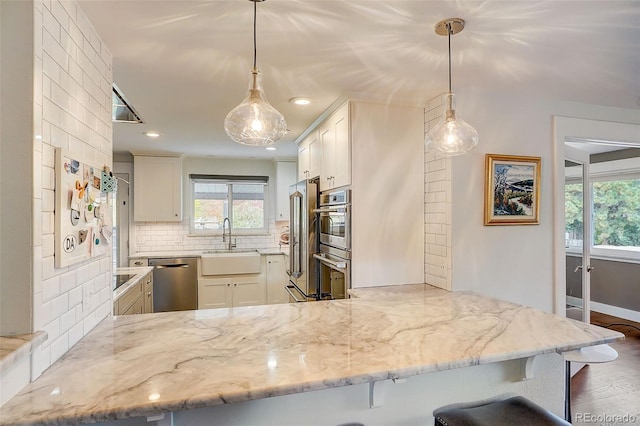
175 284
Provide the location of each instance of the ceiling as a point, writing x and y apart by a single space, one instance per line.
184 64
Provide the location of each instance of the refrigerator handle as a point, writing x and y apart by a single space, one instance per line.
295 211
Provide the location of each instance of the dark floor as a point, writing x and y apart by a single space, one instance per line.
610 389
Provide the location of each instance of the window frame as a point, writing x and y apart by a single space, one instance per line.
625 169
228 180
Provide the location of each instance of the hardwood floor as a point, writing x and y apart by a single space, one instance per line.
611 388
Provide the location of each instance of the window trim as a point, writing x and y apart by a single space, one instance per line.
229 180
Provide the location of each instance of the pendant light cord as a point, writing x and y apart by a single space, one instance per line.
255 50
449 37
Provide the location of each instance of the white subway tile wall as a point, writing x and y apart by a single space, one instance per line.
171 236
72 110
437 208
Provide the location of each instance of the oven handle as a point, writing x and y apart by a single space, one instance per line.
293 296
331 263
331 210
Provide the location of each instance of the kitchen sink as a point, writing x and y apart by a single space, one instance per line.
230 251
230 262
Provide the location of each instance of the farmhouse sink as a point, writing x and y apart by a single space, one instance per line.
230 262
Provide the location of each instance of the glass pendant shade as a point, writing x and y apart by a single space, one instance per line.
255 122
451 136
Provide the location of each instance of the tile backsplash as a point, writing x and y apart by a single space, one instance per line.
171 236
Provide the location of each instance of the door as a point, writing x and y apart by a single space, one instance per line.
578 233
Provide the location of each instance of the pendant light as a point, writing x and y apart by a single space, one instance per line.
255 122
452 135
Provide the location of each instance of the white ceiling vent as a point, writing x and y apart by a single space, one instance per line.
121 109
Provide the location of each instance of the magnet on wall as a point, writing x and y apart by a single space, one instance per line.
69 244
83 235
75 217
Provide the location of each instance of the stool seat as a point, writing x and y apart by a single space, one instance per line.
515 410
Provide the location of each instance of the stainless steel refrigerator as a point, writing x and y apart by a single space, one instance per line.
303 242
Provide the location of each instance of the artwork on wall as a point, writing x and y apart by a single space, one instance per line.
512 190
82 214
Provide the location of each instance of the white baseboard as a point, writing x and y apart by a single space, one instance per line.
574 301
627 314
603 308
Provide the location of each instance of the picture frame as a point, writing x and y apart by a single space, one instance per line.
512 190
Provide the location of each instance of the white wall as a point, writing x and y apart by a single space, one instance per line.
72 110
171 236
387 175
514 263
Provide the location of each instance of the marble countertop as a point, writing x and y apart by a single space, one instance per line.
139 365
197 253
138 271
15 348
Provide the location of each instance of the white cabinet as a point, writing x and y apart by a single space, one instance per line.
139 261
138 299
309 157
228 291
285 177
277 279
148 293
157 189
335 140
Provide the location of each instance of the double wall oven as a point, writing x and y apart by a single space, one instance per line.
334 256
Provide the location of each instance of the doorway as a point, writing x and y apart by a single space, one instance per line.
574 138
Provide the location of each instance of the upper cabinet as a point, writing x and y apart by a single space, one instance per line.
335 141
326 152
157 189
309 157
285 177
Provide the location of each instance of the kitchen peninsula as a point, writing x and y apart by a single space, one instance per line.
404 350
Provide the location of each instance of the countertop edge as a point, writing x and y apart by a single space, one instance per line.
30 342
139 271
204 401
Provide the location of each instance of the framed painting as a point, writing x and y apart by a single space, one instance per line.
512 190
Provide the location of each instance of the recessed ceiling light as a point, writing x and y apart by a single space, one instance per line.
271 148
300 101
152 134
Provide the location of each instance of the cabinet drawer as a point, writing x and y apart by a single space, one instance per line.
136 308
130 297
139 262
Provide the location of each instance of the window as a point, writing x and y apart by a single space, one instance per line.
241 199
616 215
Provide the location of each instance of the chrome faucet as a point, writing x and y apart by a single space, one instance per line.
224 233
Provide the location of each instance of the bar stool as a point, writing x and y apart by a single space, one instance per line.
587 355
504 410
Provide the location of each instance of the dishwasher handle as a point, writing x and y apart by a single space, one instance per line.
175 265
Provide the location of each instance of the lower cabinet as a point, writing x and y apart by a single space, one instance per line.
227 291
138 299
148 293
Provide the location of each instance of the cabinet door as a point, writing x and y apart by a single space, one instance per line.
214 293
276 280
328 146
315 156
342 147
157 189
248 291
148 293
303 160
136 308
285 177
